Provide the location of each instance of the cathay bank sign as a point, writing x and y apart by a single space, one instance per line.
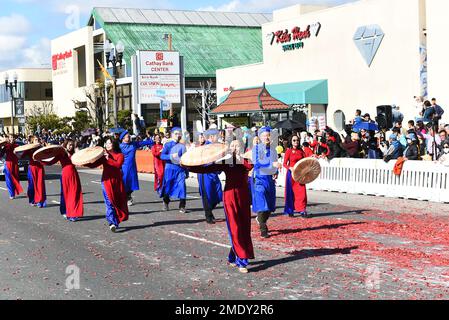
159 62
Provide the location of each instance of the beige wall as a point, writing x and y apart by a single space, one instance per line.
23 75
65 80
393 77
438 52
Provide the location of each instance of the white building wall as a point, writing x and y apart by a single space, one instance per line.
24 75
438 53
65 77
393 77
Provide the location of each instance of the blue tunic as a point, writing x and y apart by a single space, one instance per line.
129 168
210 189
174 184
264 187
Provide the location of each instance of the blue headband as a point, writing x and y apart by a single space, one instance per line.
264 129
211 132
123 134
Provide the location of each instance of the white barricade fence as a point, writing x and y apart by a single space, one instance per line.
421 180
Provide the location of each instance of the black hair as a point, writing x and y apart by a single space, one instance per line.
290 141
66 142
115 144
412 123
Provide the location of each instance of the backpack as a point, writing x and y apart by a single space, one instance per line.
439 111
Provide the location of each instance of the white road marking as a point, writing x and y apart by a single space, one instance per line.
57 202
4 189
201 239
96 182
190 197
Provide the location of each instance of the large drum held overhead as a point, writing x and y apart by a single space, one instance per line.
203 155
48 153
306 170
27 147
87 156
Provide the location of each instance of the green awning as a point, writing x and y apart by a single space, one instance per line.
304 92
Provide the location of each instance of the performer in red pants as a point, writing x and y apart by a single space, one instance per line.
295 193
11 169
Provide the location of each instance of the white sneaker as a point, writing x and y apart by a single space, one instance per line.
12 198
113 228
130 202
65 216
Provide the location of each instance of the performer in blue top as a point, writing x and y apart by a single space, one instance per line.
129 168
174 184
266 165
210 185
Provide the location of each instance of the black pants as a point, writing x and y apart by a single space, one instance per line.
130 194
182 202
263 217
208 213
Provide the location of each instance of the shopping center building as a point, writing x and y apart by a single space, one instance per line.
207 41
326 62
34 88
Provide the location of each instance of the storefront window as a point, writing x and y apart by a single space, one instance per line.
38 91
124 95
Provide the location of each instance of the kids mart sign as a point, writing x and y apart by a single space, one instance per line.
294 39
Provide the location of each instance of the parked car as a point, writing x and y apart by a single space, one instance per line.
23 168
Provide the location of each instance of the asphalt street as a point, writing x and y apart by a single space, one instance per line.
353 247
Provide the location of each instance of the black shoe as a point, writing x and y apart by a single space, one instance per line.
291 215
264 234
210 220
165 208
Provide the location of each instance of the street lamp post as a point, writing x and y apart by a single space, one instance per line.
114 59
11 85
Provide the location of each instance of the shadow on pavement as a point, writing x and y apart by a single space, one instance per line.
90 218
159 224
328 227
298 255
328 214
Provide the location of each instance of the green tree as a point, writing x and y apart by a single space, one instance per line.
43 117
95 104
81 121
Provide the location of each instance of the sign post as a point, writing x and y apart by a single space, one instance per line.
19 107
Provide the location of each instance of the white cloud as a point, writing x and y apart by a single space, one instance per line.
10 46
16 50
38 55
14 24
86 6
230 6
266 5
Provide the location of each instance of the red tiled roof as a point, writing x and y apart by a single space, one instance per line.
250 100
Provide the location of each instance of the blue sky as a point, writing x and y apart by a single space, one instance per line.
27 26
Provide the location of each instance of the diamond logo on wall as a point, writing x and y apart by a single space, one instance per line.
368 40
